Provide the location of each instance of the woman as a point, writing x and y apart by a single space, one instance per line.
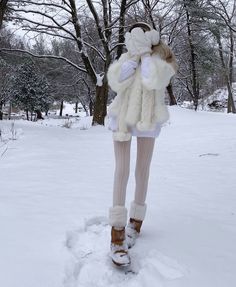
139 78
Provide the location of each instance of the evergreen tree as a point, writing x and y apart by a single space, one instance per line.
29 90
5 72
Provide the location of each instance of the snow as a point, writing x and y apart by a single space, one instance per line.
69 109
99 79
56 188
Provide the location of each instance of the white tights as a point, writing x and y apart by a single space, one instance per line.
122 158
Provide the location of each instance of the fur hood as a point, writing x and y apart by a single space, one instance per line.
139 102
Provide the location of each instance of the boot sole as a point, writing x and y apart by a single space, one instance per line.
120 264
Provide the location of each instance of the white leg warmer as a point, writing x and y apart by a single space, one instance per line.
137 211
118 216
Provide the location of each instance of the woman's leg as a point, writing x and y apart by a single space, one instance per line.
145 148
121 175
118 213
137 212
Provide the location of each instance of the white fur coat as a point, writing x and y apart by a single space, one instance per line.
140 101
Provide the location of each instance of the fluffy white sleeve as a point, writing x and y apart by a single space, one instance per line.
156 73
115 72
128 68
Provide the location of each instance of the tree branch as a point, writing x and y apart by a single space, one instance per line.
45 56
40 4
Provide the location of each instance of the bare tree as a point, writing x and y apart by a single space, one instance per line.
95 31
226 17
3 7
66 20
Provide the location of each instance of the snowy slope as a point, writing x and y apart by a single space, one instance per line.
216 102
56 188
221 97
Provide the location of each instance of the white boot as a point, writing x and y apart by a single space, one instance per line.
137 215
119 249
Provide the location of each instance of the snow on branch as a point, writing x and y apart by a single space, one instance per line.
40 4
38 23
45 56
100 79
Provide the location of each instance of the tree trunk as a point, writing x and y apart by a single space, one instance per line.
231 106
1 112
91 108
121 38
171 95
39 115
195 84
76 107
3 6
230 102
27 115
100 106
9 111
61 108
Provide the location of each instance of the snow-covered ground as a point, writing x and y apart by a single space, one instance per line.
56 188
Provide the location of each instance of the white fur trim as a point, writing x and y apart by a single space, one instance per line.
114 107
134 101
144 126
140 101
121 136
118 216
154 36
148 102
159 75
137 211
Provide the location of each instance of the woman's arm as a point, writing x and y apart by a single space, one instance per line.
128 68
120 72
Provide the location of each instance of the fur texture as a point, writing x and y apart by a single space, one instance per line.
137 211
140 101
118 216
154 36
137 42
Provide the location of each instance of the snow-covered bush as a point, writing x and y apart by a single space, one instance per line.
67 124
9 133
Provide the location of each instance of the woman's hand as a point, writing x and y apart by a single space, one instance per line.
128 68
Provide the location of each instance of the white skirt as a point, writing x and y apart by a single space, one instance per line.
112 125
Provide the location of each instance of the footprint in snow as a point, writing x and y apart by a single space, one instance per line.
90 265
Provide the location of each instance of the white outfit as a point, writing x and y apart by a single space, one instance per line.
139 106
138 109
